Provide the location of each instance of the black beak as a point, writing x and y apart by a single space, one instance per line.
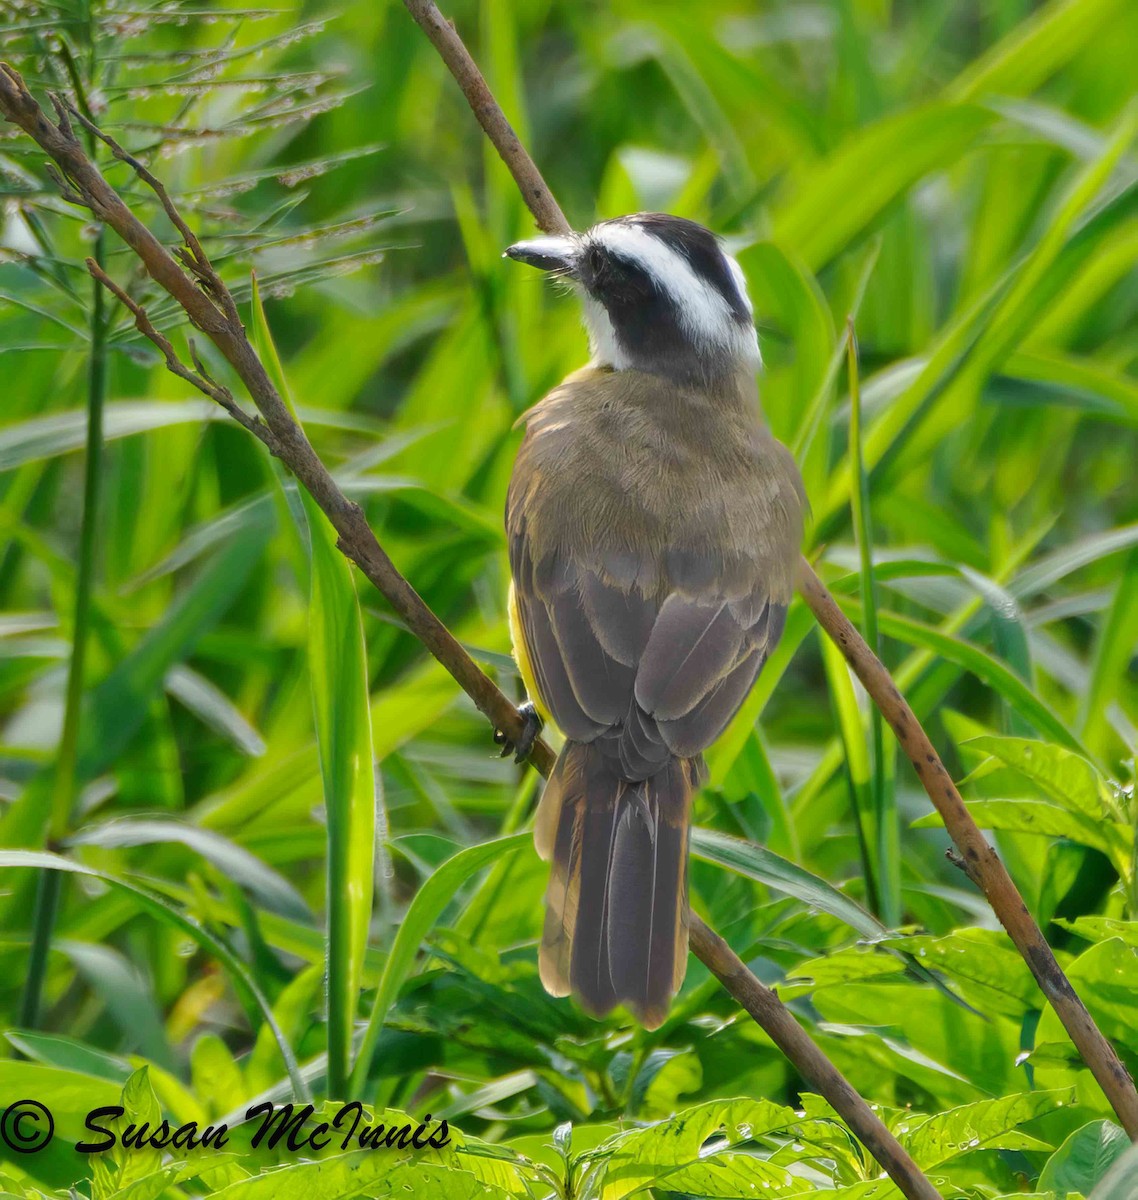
546 253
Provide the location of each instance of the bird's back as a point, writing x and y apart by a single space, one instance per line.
658 483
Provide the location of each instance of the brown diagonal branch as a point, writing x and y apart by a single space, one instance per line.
283 435
285 439
983 865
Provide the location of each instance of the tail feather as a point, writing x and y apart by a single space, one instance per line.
616 921
561 903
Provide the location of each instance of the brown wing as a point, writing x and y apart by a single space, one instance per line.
646 679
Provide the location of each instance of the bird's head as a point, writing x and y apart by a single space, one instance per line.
660 295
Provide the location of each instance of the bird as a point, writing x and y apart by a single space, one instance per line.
653 529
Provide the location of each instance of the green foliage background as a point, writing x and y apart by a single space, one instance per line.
959 178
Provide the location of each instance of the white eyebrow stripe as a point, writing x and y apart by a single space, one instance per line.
699 305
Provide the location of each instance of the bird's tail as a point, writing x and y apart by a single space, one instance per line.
616 920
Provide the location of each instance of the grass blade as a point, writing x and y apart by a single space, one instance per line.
338 673
886 827
424 911
858 764
64 788
764 866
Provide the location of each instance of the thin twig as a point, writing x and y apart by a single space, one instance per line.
199 379
488 112
985 867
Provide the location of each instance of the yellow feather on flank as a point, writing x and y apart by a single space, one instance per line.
521 654
549 807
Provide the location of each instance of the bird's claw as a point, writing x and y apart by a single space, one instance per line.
531 727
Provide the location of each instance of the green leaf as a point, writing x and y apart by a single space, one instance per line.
119 1167
270 887
424 911
672 1149
1106 979
985 667
985 1125
438 1174
71 1054
1035 49
215 1075
858 766
980 957
68 1095
1121 1181
127 994
1047 820
116 708
764 866
211 706
1084 1158
156 906
834 200
1067 778
159 1183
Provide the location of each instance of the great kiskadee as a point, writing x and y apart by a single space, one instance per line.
654 527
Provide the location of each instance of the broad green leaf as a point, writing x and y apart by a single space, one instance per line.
68 1095
981 957
117 1168
215 1075
1121 1181
1084 1158
731 1174
1106 979
985 1125
159 1183
1067 778
368 1172
1100 929
1047 820
837 969
653 1156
